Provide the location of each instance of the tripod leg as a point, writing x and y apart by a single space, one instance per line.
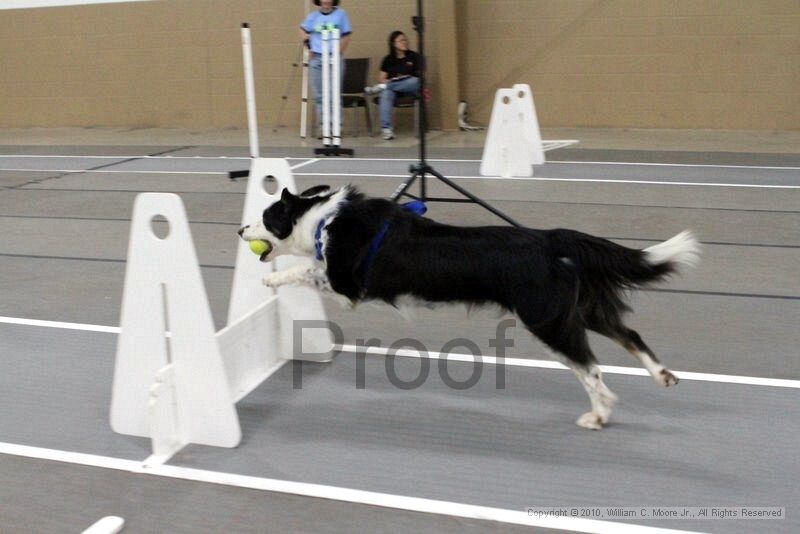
289 83
404 187
474 198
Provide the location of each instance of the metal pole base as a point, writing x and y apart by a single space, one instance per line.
334 151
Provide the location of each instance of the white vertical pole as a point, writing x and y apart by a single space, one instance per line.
336 93
250 92
326 87
304 87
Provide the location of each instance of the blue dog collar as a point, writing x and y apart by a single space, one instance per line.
317 239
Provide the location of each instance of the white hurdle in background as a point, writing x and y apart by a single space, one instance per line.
513 141
176 381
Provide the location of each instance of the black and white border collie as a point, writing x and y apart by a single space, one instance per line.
558 282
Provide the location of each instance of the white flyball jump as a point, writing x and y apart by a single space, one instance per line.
176 380
513 142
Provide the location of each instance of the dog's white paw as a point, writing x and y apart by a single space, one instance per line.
591 420
666 378
273 280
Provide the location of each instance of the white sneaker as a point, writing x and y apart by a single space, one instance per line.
375 89
387 133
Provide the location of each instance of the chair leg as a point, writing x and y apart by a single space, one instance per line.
369 119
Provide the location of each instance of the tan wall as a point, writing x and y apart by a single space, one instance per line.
720 64
637 63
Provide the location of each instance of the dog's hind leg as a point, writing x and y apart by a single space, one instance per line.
570 342
633 343
607 320
600 396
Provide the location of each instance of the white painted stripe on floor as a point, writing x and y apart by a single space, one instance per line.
395 176
112 171
57 324
544 179
684 165
440 160
550 364
492 360
371 498
69 457
309 162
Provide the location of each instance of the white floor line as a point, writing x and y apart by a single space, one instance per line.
550 364
491 360
395 176
544 179
113 171
349 495
309 162
61 325
699 165
438 160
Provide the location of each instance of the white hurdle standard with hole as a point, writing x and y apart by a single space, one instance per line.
176 380
513 141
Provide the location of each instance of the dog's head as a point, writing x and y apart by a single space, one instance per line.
286 224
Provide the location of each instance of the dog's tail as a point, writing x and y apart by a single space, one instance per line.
602 263
682 249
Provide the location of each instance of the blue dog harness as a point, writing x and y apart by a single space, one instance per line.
416 207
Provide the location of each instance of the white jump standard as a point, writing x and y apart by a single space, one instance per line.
331 96
176 380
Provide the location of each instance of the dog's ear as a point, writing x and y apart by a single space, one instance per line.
314 191
287 197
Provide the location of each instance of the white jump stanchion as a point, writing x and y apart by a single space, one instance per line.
513 141
247 292
505 152
164 292
176 381
530 122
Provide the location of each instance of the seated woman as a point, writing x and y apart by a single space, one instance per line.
399 76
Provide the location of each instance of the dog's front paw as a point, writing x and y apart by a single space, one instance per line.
591 420
272 280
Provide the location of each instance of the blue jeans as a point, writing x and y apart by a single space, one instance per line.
405 87
315 66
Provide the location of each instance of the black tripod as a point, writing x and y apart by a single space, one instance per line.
421 169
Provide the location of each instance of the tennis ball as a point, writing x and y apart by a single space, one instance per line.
260 247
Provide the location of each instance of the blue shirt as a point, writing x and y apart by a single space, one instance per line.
314 21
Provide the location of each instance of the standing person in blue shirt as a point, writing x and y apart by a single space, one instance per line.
310 30
399 76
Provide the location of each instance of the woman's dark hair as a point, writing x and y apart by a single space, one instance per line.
392 37
335 2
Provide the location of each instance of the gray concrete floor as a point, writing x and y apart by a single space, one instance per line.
65 228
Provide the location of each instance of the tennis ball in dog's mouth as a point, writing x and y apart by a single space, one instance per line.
260 247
